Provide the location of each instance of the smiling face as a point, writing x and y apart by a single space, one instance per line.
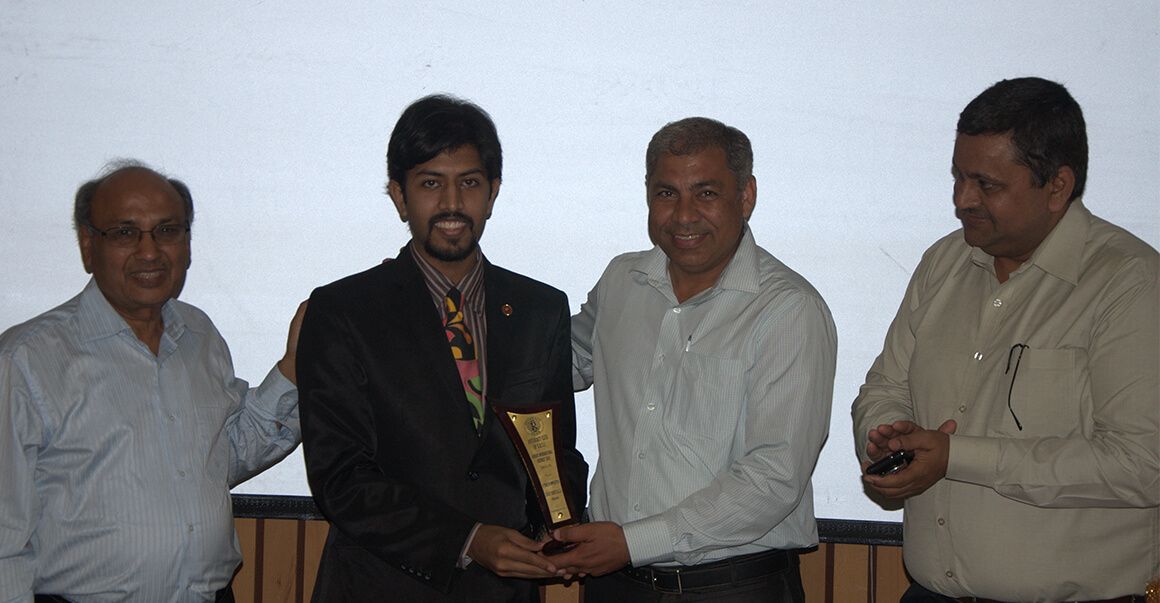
696 215
136 280
1002 210
446 201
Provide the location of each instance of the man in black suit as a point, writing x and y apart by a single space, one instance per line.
425 493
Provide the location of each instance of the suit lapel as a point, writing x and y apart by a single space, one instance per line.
497 312
422 325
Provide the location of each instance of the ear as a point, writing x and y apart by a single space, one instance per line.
85 238
395 191
491 201
748 198
1061 185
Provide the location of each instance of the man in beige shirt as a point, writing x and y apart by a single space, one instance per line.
1021 371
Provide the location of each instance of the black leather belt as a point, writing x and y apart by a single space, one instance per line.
716 573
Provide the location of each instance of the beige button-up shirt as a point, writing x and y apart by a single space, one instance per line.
1053 486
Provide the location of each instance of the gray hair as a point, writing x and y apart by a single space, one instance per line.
695 134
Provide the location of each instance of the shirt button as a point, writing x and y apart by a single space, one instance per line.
472 475
636 507
978 356
998 303
189 528
640 455
950 574
651 406
942 522
963 408
676 310
172 418
181 473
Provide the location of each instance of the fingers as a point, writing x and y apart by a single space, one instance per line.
508 553
931 454
905 427
948 427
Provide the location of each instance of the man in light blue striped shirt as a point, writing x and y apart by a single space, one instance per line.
122 425
713 364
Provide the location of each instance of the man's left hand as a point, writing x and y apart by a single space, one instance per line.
931 449
600 549
287 365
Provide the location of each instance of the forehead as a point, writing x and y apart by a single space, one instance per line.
458 160
704 164
134 194
991 151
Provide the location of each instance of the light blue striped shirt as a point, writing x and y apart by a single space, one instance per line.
710 414
116 464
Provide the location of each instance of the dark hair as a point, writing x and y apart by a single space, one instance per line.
694 134
83 203
438 123
1045 123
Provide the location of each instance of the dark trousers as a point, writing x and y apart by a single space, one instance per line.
781 587
919 594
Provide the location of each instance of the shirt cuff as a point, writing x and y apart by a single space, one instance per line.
648 541
464 559
973 459
276 397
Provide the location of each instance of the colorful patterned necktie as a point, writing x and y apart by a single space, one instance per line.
463 350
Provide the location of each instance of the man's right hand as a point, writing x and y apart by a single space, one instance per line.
508 553
931 454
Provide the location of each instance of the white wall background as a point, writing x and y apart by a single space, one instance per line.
277 115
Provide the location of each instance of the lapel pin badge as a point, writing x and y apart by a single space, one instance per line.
506 309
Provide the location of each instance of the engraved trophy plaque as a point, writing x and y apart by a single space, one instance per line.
533 431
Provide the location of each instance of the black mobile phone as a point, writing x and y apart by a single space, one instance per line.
890 463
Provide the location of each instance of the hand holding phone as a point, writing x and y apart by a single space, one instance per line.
891 463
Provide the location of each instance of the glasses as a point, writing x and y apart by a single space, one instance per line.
1011 355
130 236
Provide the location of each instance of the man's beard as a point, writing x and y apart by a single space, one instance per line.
451 254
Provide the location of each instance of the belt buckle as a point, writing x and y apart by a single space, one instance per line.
662 589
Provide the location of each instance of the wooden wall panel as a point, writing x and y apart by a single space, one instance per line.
890 576
244 579
813 569
851 573
280 560
315 533
560 593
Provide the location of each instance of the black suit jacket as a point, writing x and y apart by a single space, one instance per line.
391 452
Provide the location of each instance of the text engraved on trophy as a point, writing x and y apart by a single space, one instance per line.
535 431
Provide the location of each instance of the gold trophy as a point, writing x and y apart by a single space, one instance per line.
533 431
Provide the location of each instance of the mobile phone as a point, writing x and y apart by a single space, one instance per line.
892 463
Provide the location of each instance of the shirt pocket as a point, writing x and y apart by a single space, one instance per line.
708 402
1045 386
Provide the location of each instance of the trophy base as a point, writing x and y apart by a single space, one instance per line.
555 547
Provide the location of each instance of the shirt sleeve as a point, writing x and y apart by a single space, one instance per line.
885 396
789 391
21 431
1117 464
583 329
265 428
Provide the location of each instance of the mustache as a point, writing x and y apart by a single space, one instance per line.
451 215
971 212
